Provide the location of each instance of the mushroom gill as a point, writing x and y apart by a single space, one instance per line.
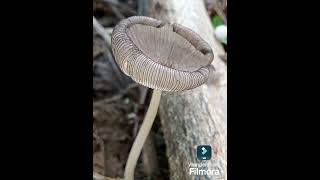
168 57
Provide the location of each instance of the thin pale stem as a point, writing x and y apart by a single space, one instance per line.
142 135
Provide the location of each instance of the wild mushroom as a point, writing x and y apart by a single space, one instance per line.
161 56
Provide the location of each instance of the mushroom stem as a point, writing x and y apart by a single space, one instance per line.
142 135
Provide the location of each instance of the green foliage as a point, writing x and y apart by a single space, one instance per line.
217 21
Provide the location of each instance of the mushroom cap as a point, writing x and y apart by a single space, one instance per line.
162 56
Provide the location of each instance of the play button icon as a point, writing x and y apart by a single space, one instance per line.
204 152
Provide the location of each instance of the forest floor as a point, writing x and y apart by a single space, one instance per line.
119 105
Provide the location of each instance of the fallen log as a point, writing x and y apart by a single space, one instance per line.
198 116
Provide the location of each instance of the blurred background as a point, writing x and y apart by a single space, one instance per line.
119 104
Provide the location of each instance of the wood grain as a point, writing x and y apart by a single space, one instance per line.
197 116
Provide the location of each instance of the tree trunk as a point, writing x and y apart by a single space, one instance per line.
198 116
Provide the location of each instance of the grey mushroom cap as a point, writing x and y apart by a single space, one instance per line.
162 56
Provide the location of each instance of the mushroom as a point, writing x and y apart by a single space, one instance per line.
161 56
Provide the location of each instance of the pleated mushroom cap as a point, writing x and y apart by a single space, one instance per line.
167 57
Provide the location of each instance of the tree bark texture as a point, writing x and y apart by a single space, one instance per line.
198 116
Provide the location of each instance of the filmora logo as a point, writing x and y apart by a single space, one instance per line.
204 152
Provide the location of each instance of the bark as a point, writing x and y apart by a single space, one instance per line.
198 116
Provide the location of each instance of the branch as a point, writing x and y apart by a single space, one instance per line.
101 31
197 116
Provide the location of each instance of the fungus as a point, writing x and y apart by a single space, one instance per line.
163 57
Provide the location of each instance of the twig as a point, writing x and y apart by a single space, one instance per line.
109 30
121 5
101 31
117 12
